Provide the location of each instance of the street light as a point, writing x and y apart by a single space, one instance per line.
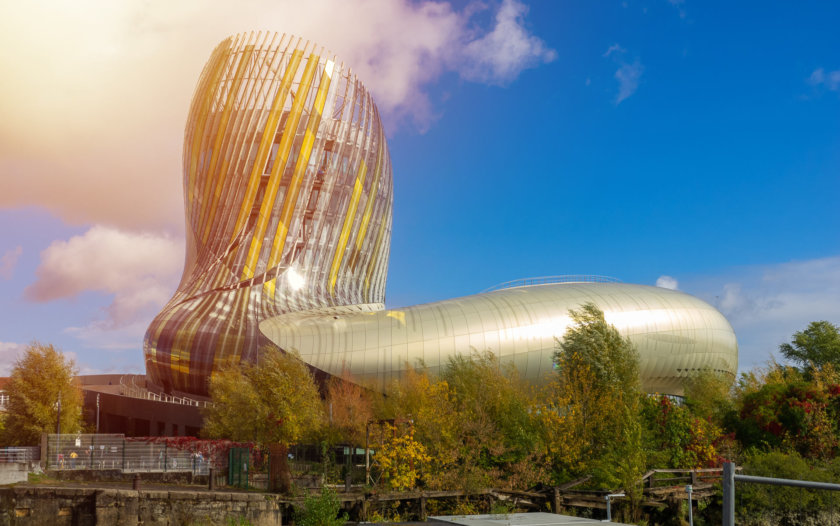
58 431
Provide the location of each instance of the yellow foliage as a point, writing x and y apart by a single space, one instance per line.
39 378
401 457
272 401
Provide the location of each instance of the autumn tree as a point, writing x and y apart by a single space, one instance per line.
274 400
40 378
677 439
782 407
428 405
498 432
593 406
349 408
708 395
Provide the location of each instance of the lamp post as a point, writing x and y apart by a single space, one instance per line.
58 430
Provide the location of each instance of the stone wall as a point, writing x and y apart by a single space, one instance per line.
13 472
43 505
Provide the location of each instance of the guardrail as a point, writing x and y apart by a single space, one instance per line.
130 388
20 454
730 478
545 280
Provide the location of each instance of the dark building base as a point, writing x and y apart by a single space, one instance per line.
118 413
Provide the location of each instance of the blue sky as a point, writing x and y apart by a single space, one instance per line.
696 140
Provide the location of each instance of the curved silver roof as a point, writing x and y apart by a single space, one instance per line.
675 334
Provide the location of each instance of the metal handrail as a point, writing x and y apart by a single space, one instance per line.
135 391
545 280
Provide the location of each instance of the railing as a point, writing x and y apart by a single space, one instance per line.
115 452
20 454
686 476
130 388
545 280
730 478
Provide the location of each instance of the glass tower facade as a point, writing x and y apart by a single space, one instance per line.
288 194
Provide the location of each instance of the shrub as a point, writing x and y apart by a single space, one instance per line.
321 510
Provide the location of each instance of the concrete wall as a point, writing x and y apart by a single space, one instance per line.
42 505
13 472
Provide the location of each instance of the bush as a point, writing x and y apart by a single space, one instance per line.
763 504
321 510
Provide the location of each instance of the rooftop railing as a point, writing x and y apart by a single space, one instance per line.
545 280
129 387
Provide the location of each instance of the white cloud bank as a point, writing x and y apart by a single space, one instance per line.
95 93
766 304
140 271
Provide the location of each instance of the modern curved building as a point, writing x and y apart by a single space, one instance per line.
676 334
288 195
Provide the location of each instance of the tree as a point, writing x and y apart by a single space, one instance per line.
350 408
815 347
39 379
593 407
272 401
429 405
779 407
498 432
708 395
677 439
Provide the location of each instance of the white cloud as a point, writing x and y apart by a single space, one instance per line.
140 271
9 354
615 48
95 95
501 54
628 76
830 80
667 282
766 304
8 262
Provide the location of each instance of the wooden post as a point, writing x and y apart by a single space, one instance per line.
555 504
423 507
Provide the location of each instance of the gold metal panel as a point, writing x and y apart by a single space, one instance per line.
278 168
348 223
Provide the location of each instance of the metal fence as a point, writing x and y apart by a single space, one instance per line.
20 454
115 451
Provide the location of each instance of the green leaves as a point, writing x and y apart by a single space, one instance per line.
815 347
593 408
321 510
